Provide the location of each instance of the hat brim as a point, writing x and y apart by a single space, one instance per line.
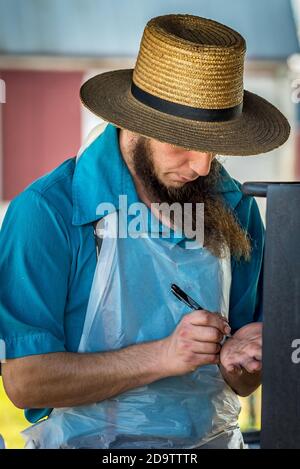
260 128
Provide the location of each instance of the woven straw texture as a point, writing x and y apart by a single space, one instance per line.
195 62
192 61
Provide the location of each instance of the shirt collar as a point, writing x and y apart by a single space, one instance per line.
230 189
101 175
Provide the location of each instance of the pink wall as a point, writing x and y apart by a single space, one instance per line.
41 124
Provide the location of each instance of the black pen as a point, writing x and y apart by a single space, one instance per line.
182 296
186 299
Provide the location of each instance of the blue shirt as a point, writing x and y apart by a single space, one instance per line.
48 256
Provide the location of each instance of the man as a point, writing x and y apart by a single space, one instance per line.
151 373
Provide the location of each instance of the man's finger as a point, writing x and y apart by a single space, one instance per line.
206 334
236 369
200 317
205 347
252 366
241 361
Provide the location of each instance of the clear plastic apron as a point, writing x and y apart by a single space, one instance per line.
130 302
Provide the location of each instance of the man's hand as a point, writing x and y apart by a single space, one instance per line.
243 350
240 359
195 342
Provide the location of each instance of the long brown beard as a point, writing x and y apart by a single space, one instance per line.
221 227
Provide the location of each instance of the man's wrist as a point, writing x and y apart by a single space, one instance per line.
241 381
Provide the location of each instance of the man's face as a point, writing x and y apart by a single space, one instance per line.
175 166
170 173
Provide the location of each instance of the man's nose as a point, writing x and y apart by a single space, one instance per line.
201 164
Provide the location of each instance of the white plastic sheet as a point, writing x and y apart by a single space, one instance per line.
130 303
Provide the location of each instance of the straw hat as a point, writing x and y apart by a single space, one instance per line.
187 89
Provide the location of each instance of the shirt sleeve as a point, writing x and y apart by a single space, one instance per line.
34 268
246 296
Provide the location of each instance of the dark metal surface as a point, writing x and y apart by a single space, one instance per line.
259 189
281 308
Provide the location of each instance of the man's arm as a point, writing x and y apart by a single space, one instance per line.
70 379
67 379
